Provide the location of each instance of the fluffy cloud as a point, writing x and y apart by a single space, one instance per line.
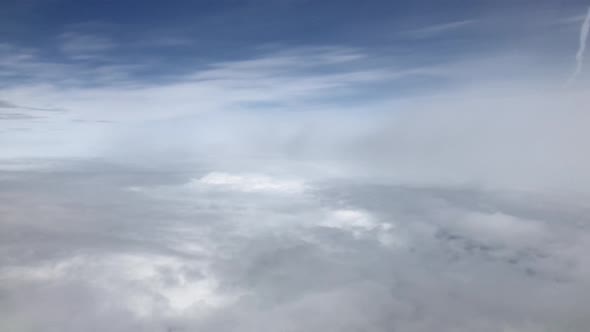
166 256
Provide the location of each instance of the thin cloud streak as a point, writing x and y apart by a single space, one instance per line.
437 29
6 104
585 28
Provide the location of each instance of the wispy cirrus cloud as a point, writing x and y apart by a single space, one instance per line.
9 105
286 78
436 29
80 46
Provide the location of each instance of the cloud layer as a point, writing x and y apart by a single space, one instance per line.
405 166
129 253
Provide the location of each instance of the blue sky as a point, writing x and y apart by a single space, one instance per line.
172 36
160 41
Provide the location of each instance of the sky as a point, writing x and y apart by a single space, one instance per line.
294 165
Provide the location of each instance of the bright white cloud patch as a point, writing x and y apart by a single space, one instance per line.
360 223
250 183
350 220
145 284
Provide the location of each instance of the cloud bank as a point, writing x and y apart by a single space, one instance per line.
346 256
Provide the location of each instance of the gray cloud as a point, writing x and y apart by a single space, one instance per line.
19 116
82 121
135 249
6 104
17 129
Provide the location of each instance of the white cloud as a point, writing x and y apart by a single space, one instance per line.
196 258
584 30
361 224
490 125
140 282
250 183
436 29
499 228
350 220
84 46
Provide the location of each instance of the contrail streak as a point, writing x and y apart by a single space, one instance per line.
580 55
